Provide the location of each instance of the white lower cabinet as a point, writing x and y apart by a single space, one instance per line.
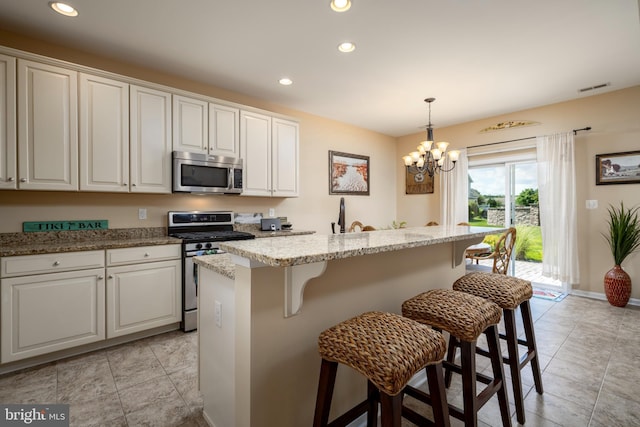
56 301
146 293
50 312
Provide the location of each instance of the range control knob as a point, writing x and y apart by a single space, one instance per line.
207 245
198 245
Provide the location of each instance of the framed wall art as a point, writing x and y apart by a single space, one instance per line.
618 168
348 173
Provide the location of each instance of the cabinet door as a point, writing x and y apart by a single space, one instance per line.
104 134
51 312
8 141
190 124
224 124
255 150
47 127
150 154
285 158
143 296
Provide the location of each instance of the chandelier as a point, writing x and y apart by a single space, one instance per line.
429 159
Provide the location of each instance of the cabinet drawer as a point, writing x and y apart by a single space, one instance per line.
50 263
142 254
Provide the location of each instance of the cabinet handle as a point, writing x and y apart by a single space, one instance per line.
111 276
56 263
124 184
11 179
100 277
146 254
133 185
23 179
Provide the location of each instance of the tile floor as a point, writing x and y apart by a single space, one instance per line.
588 353
150 382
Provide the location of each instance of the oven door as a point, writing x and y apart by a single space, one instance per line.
189 293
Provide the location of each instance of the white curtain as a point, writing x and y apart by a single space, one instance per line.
558 214
454 191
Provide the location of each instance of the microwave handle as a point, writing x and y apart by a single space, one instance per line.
230 178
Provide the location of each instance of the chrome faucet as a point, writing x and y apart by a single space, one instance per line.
341 222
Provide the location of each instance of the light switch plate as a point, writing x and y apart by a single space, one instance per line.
592 204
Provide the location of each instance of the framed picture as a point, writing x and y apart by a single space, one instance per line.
417 183
618 168
348 174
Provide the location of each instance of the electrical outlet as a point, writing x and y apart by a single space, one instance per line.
592 204
142 213
272 212
217 313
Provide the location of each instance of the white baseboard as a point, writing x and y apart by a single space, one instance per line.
600 296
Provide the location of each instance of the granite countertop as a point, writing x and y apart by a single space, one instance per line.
304 249
13 244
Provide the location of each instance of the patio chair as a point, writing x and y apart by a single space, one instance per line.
501 254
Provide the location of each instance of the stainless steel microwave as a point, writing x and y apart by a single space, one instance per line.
199 173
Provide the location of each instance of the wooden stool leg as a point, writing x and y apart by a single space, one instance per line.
495 353
514 362
451 357
325 392
438 394
532 347
391 410
468 365
373 396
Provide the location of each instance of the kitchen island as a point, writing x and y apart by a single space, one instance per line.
264 304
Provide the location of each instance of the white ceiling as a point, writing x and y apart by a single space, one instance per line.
477 58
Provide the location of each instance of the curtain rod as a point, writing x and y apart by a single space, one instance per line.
575 132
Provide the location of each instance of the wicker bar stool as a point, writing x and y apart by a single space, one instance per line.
466 317
388 350
509 293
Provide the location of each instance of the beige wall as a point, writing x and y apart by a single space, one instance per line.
615 121
315 209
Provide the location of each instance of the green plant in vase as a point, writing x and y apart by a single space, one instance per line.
624 238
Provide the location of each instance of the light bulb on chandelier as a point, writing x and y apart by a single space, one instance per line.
429 160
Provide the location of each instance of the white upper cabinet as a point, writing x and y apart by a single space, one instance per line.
47 127
104 134
269 147
150 121
255 150
224 124
285 147
204 127
190 125
8 141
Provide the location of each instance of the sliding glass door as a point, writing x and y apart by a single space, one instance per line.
505 194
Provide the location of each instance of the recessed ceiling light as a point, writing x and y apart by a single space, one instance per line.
346 47
63 9
340 5
285 81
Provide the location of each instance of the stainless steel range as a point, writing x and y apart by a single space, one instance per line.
201 232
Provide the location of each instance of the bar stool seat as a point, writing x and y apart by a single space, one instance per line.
509 293
466 317
388 350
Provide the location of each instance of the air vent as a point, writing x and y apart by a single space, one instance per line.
600 86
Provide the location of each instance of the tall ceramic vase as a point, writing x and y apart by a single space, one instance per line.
617 286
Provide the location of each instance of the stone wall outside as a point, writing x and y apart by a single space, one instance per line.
525 215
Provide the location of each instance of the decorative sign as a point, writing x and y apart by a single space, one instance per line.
418 184
94 224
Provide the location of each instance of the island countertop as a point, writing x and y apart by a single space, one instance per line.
306 249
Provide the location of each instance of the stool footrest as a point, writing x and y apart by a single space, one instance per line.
349 416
